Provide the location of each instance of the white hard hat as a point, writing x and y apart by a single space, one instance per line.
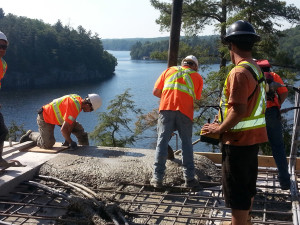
190 58
95 101
3 37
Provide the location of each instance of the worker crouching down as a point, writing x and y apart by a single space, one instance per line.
63 112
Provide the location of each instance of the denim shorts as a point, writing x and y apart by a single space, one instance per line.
239 175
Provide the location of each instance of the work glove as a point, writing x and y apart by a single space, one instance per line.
65 143
73 145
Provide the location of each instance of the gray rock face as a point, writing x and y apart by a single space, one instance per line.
103 167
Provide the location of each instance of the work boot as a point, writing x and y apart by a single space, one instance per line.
83 139
26 137
34 136
191 183
156 183
284 184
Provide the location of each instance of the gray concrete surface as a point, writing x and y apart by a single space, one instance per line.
96 166
102 167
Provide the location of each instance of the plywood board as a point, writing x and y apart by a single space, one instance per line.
263 160
55 149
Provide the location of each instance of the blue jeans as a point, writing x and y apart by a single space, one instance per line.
168 122
275 136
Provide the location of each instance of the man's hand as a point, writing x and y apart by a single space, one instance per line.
66 130
211 128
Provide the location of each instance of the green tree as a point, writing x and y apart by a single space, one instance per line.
53 58
114 123
266 17
15 131
263 15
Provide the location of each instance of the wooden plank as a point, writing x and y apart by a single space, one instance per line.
55 149
263 160
215 157
18 147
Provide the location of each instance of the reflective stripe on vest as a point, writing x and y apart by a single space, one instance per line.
3 69
172 83
56 103
257 116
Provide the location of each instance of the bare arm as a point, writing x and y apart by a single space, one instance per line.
66 130
234 117
282 97
157 92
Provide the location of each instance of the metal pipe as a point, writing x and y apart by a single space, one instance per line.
292 163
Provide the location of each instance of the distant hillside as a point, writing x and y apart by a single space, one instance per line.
290 46
126 43
158 50
42 55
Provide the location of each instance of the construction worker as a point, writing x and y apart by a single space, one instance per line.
243 128
276 94
177 87
62 112
3 128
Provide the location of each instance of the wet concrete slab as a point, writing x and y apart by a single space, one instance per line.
95 166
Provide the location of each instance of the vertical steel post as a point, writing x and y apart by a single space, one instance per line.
293 162
175 32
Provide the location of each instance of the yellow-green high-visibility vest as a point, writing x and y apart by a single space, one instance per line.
172 83
257 116
55 106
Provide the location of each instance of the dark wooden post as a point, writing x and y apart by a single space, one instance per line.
174 45
175 32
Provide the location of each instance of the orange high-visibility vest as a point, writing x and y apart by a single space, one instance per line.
180 86
3 68
65 108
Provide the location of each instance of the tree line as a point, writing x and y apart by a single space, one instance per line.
125 44
44 54
188 46
288 51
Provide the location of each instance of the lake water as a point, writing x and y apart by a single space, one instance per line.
138 75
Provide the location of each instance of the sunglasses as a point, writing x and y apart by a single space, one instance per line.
4 47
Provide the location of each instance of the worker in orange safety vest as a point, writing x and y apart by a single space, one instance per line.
63 112
276 95
3 128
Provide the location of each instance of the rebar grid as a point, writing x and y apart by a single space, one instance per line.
143 204
28 205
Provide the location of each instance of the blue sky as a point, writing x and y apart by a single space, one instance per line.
108 18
